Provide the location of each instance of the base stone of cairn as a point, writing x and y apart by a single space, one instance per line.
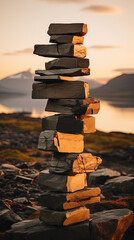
64 214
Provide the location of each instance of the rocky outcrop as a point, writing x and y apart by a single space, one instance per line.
111 224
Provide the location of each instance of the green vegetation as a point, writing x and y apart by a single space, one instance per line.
24 125
102 141
9 154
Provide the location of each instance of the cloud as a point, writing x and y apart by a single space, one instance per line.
124 70
70 1
102 47
102 9
18 52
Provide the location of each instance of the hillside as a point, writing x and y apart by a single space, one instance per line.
18 83
119 87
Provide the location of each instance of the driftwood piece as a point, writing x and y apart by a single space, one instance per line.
62 183
60 201
65 89
53 79
50 140
67 63
69 123
72 72
73 106
79 29
60 50
64 218
74 163
66 39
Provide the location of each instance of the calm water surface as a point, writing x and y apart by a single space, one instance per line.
110 117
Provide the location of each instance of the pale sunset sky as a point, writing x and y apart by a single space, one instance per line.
109 41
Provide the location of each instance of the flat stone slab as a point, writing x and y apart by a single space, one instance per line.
35 229
79 29
60 50
66 39
64 218
7 218
62 183
63 163
64 201
50 140
119 185
49 79
73 106
69 123
72 72
110 224
64 89
67 63
100 176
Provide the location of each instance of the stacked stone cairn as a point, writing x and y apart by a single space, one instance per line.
65 183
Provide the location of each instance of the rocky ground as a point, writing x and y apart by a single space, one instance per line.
20 163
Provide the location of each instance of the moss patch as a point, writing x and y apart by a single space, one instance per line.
24 125
102 141
10 154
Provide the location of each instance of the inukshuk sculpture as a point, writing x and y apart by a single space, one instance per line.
65 183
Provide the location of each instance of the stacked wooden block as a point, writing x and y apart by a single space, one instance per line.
65 183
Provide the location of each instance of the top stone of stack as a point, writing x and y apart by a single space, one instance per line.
78 29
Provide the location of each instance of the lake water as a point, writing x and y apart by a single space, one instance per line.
112 117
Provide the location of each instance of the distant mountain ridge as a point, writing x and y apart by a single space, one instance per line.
121 86
18 83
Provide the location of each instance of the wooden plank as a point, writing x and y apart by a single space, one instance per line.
65 89
79 29
73 106
67 63
60 201
62 183
60 50
66 39
64 218
53 79
69 123
50 140
74 163
72 72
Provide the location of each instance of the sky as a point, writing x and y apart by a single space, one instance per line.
109 41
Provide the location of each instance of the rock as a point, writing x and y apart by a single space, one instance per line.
35 229
63 163
111 224
62 183
9 166
73 106
119 185
7 218
60 201
23 179
23 200
68 89
64 218
51 140
79 29
101 175
67 63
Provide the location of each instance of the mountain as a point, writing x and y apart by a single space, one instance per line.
20 83
92 83
121 86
